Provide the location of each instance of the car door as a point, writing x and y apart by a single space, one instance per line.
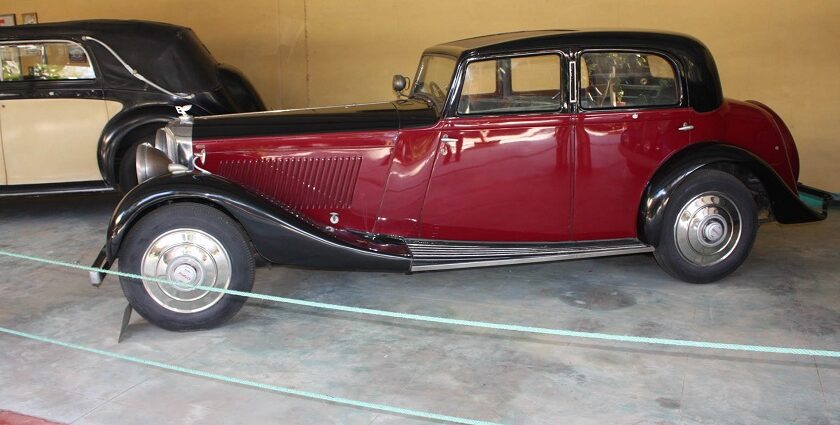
632 112
51 113
502 168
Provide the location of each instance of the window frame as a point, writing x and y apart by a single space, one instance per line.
60 82
564 106
679 79
452 81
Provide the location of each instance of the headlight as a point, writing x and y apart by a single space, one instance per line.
173 144
150 162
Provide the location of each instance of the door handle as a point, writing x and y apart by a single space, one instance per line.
686 127
9 94
449 140
451 144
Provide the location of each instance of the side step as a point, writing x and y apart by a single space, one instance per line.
441 255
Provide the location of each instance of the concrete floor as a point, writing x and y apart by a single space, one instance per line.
787 294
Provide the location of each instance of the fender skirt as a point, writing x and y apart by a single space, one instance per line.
277 235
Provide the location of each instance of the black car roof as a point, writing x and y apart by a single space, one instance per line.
548 39
696 62
169 55
104 28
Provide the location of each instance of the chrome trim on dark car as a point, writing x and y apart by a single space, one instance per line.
134 73
54 189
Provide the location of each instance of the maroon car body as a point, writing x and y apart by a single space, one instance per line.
562 177
608 156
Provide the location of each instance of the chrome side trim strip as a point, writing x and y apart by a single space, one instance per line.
55 192
447 255
44 192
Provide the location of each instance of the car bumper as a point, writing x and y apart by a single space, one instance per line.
821 198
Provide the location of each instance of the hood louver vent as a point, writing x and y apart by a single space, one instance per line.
298 183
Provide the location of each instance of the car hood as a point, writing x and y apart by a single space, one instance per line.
384 116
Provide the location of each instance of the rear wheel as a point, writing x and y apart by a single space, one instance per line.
191 245
709 227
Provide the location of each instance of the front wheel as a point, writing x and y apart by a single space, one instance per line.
191 245
709 227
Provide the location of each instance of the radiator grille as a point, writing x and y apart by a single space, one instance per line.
298 183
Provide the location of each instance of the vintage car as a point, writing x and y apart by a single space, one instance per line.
508 149
76 98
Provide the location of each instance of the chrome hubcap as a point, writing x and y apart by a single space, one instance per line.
708 229
189 258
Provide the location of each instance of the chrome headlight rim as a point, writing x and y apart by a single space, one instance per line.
173 142
150 162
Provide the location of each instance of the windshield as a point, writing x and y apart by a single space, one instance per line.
434 77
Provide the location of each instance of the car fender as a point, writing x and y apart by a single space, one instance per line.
122 125
240 89
784 201
278 235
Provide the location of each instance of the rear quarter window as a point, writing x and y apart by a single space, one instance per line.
611 80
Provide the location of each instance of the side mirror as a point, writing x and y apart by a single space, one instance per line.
399 83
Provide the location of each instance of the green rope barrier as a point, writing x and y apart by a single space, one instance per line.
468 323
253 384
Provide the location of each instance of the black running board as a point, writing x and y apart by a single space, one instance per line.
430 255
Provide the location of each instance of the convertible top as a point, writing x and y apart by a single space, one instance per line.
696 62
169 55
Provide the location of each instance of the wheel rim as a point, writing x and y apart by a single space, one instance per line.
188 257
708 229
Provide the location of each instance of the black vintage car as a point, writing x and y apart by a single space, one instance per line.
77 98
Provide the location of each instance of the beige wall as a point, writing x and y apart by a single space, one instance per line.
319 52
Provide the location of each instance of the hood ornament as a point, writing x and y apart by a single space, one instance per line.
182 110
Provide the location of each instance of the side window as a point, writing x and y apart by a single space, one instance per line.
45 61
626 80
511 85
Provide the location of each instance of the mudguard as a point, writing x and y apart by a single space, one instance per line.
784 201
278 235
121 126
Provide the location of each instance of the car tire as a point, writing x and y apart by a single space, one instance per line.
192 244
127 173
709 227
